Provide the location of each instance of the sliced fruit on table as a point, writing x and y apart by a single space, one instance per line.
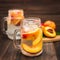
50 23
49 32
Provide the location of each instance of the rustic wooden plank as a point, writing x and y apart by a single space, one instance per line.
48 53
46 39
53 8
10 53
57 49
4 44
51 51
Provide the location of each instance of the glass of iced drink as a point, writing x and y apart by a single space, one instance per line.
31 43
14 18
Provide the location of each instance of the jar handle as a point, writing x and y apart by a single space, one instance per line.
4 25
17 40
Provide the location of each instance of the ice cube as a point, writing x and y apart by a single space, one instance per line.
26 28
12 28
34 27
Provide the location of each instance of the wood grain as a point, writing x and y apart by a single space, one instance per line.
10 53
51 51
57 38
33 8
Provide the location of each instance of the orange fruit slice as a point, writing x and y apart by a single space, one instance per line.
50 24
15 21
30 35
34 49
48 33
39 38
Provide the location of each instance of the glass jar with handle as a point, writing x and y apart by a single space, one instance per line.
31 43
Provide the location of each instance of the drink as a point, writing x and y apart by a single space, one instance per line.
15 16
31 38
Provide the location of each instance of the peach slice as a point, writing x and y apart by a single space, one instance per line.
50 23
15 21
34 49
30 35
49 32
39 38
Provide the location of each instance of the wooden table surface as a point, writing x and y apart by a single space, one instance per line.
51 51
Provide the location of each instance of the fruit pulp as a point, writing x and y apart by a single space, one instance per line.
32 40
